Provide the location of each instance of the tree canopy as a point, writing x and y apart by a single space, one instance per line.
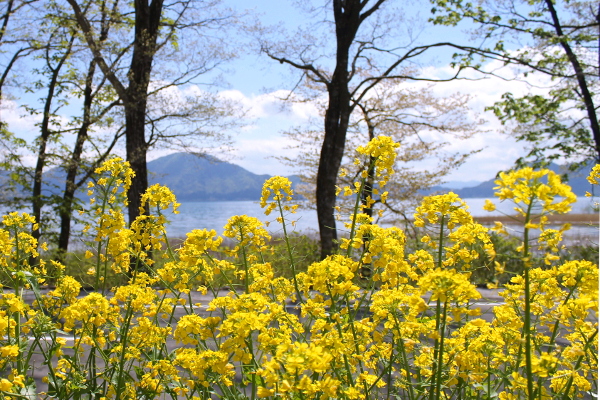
361 44
121 71
421 121
554 39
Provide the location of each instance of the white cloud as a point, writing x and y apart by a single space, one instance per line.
268 115
258 155
273 105
18 120
498 150
260 141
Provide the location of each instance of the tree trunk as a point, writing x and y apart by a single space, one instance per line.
584 90
347 21
370 180
332 152
66 209
74 166
136 149
45 133
147 26
135 95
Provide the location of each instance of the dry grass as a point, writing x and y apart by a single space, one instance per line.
573 219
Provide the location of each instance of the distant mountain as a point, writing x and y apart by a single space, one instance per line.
577 181
205 178
190 177
460 184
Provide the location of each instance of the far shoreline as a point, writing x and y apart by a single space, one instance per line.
573 219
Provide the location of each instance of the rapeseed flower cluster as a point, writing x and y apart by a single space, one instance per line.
594 177
247 232
374 165
409 329
280 189
528 188
114 173
20 247
382 149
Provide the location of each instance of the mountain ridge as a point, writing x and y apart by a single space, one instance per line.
577 180
194 177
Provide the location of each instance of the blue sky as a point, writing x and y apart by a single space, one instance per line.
259 83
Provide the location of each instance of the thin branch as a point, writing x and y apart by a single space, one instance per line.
305 67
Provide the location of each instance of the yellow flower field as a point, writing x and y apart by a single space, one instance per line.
409 329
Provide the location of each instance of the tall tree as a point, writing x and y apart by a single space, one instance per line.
156 27
363 40
54 64
133 93
77 171
558 39
57 61
71 74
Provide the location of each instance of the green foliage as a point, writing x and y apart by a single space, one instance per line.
557 39
544 127
306 250
580 251
506 264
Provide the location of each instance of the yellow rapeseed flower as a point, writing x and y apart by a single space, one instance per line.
333 276
447 207
18 220
11 351
448 286
526 187
489 206
160 197
383 150
246 231
594 176
277 187
116 167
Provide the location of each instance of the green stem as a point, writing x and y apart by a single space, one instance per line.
289 250
334 311
99 246
489 378
355 339
92 362
124 337
355 212
577 366
438 322
527 311
244 261
254 364
441 242
436 349
411 394
17 317
440 361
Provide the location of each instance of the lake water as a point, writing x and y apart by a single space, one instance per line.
214 215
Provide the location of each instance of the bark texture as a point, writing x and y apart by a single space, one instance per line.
134 95
348 18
